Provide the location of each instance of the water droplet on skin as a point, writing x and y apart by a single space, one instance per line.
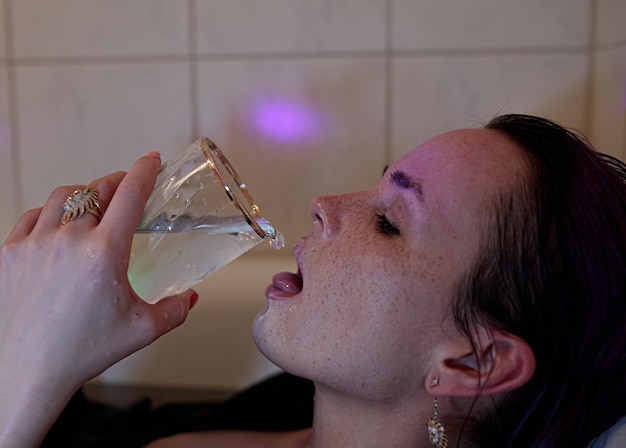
115 282
166 315
116 300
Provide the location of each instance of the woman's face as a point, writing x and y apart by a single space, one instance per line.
365 313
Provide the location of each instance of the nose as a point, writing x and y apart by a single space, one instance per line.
326 211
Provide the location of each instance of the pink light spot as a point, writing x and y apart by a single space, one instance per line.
286 121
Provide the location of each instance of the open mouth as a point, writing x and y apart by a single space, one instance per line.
288 282
286 285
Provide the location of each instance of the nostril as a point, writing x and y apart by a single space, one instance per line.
322 212
315 208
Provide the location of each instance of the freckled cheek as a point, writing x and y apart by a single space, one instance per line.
341 287
428 269
416 280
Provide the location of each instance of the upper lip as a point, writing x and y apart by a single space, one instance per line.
297 252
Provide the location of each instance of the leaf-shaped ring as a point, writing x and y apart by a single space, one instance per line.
81 202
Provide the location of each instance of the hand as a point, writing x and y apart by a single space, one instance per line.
67 309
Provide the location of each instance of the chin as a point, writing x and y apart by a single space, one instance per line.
264 333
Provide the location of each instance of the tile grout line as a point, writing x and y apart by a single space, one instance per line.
385 52
13 108
590 88
193 70
388 85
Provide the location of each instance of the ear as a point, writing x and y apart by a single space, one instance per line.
502 363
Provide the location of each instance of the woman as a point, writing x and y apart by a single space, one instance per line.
465 298
487 270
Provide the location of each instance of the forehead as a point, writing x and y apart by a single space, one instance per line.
470 161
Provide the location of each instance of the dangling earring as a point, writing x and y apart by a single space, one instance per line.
436 432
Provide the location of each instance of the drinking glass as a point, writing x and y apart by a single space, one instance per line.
198 218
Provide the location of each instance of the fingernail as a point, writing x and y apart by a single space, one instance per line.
193 300
154 154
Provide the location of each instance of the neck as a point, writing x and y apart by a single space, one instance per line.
346 421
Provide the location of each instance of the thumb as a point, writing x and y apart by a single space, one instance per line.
170 312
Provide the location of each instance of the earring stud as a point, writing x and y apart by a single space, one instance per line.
436 432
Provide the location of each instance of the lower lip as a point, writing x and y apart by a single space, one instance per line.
275 294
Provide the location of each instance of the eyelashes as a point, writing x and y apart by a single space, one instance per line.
384 226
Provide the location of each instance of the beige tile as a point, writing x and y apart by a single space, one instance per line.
7 194
437 94
297 129
244 26
610 21
3 18
77 123
609 102
100 28
445 24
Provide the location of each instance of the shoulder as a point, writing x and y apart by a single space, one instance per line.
614 437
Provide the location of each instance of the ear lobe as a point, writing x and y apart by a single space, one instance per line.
504 363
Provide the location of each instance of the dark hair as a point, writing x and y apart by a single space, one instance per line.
552 270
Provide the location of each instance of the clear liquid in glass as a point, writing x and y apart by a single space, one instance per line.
172 256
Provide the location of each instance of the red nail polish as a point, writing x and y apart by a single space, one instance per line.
193 300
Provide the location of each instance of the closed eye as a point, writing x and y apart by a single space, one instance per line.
384 226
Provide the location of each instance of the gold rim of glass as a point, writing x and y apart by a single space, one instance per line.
214 157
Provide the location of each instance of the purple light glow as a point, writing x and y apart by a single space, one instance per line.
285 121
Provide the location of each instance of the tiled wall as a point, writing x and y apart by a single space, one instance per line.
608 110
307 97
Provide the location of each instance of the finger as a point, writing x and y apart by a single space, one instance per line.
130 198
102 192
169 313
106 187
24 225
52 210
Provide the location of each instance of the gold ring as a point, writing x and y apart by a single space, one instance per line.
81 202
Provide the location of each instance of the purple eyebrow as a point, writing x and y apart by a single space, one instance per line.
405 182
